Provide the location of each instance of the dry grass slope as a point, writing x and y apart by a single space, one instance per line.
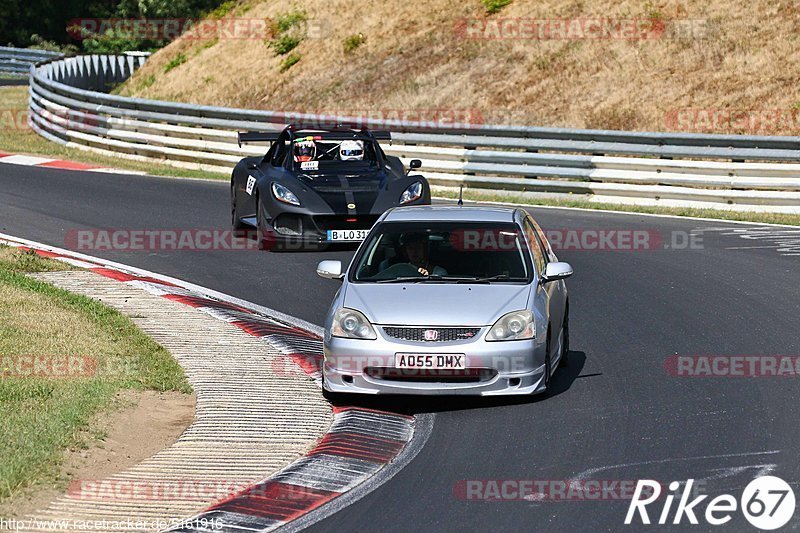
744 56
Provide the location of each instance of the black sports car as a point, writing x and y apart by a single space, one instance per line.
317 187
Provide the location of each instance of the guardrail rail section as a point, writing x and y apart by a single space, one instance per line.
18 61
69 104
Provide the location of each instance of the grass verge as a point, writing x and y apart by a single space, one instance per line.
17 138
63 357
689 212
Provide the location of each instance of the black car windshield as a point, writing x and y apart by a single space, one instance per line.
444 252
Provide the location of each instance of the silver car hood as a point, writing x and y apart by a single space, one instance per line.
435 304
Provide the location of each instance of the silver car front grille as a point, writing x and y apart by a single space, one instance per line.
420 334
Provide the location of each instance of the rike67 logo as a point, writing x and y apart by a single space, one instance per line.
768 503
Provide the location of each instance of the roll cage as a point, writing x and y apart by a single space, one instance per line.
280 142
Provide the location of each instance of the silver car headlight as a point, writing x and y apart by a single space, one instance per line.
514 326
282 194
414 192
352 324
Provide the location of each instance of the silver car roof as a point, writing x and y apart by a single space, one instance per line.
447 213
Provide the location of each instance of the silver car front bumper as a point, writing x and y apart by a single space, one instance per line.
504 368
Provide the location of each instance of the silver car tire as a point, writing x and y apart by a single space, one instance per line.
564 359
334 398
548 366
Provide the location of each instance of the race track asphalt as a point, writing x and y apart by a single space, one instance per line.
617 414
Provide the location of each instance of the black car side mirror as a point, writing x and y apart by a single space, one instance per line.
413 165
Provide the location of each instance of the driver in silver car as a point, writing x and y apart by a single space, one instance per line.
415 255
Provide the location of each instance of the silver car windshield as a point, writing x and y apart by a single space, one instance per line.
444 252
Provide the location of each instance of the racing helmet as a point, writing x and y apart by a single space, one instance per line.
305 151
351 151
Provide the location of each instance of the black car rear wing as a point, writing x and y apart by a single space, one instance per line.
345 135
258 137
382 135
272 136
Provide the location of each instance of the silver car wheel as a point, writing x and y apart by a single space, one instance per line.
564 340
548 365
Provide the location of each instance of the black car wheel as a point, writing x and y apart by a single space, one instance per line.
235 219
265 234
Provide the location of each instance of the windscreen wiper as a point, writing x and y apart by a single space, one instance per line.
489 279
423 279
404 279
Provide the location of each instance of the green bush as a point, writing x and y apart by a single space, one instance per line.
286 21
40 43
290 61
32 24
351 42
493 6
288 31
113 42
224 9
175 62
284 44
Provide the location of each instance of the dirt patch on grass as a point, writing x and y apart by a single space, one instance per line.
64 360
139 424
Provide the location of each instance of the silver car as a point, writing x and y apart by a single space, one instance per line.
448 300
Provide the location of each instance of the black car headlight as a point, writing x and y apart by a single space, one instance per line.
282 194
514 326
352 324
413 192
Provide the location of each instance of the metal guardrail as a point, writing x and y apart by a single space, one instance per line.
19 60
69 104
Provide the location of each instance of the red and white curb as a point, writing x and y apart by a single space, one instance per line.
44 162
360 443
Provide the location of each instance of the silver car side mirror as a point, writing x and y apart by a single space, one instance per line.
330 270
557 271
